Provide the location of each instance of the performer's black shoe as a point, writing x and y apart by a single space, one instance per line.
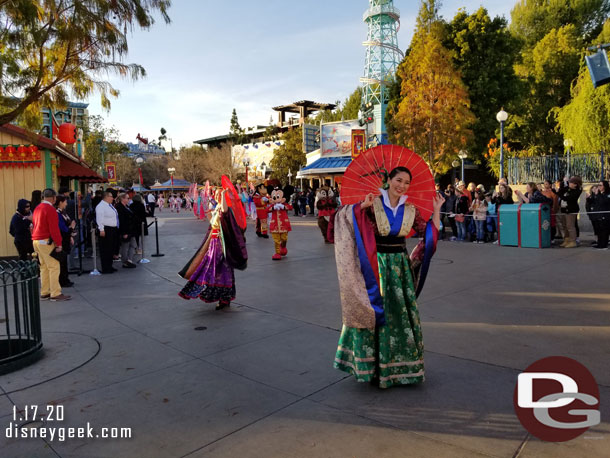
265 236
259 234
222 304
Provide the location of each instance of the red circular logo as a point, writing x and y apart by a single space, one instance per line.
557 399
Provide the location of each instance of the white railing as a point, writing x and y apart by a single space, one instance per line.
390 10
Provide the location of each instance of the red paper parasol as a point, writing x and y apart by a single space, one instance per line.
234 202
365 175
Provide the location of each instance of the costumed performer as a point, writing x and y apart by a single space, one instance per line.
261 200
381 339
327 206
279 224
210 271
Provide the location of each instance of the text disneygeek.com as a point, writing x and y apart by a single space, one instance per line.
37 422
61 433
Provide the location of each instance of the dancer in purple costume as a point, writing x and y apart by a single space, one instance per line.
210 272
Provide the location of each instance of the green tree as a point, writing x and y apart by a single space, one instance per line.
289 156
531 20
346 110
52 48
485 52
237 135
271 132
163 135
552 36
100 139
351 105
585 119
548 70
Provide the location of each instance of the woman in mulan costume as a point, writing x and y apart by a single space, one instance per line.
210 272
381 340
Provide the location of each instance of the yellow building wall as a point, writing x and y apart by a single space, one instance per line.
15 184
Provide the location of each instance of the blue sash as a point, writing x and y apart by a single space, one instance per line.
370 280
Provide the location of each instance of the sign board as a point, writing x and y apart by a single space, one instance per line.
111 172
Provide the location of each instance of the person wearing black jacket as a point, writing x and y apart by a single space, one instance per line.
569 193
139 212
66 227
20 229
126 231
449 209
602 206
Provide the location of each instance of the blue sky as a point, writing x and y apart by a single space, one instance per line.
251 56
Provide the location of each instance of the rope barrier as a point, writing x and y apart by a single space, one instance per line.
469 215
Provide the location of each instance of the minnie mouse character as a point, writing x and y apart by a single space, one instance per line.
261 200
279 224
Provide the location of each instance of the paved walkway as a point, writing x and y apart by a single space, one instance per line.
256 380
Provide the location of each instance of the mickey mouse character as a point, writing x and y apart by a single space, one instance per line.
327 205
279 223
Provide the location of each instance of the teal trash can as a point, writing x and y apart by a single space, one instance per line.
535 226
508 225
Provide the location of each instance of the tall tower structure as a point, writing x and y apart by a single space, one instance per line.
382 59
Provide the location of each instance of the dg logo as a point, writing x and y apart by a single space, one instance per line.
557 399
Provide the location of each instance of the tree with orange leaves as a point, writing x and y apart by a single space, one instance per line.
433 117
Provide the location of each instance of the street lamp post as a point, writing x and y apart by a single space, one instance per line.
171 171
462 155
139 161
246 163
289 177
502 116
568 143
454 164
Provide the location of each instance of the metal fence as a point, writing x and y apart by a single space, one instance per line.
20 329
590 167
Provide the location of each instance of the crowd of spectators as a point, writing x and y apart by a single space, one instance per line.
471 212
52 224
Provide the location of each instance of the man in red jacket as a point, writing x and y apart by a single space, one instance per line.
46 238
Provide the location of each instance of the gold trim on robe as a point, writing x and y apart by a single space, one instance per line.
383 224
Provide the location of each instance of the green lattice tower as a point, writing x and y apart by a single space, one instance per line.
382 59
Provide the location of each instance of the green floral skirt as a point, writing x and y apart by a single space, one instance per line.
400 347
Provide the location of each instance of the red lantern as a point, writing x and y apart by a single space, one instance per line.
10 152
22 153
34 155
67 133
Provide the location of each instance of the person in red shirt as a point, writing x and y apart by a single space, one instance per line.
46 239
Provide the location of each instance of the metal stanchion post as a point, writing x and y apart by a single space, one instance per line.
94 246
143 260
157 254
